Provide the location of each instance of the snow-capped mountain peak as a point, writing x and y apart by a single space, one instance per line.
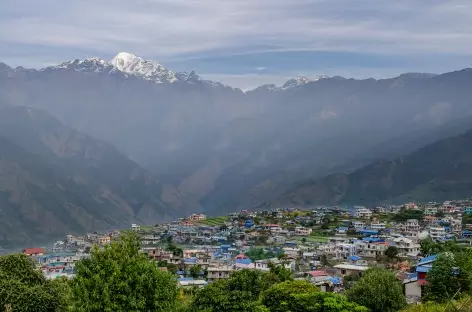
136 66
93 64
128 64
299 81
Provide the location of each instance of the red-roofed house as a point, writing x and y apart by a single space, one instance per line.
317 273
34 251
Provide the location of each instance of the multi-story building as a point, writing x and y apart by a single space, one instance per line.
358 225
430 210
302 231
363 213
371 249
411 229
437 233
344 251
378 226
197 217
219 272
406 246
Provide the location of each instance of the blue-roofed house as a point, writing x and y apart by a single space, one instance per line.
369 232
468 210
249 223
225 248
424 266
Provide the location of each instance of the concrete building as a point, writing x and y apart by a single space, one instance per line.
220 272
363 213
437 233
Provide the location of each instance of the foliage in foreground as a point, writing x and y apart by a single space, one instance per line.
23 288
462 305
379 290
121 279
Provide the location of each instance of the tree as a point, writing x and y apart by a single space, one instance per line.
238 293
260 254
379 290
279 273
303 240
23 288
195 270
446 279
120 278
391 252
302 296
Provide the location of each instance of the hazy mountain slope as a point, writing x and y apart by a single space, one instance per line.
84 182
227 149
439 171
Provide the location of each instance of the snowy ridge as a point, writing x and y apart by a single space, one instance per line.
136 66
88 65
300 81
291 83
130 65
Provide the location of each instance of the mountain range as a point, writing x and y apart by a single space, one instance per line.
214 149
436 172
55 180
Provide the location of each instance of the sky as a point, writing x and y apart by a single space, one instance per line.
245 43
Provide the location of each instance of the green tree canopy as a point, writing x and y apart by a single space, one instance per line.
195 270
449 277
23 288
302 296
391 252
378 290
260 254
240 292
121 279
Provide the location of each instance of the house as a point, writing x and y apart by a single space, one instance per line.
302 231
371 247
264 265
424 266
437 233
197 217
358 225
468 210
430 210
274 228
411 229
363 213
412 288
34 251
406 247
343 251
349 269
220 272
378 226
104 240
135 227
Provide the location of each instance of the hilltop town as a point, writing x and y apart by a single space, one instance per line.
328 246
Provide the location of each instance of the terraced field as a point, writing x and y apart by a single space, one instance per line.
218 221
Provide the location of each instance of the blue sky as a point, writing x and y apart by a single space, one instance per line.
245 43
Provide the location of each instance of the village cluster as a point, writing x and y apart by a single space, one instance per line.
327 245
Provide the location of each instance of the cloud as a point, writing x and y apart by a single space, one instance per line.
185 30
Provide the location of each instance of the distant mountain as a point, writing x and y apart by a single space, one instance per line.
223 149
437 172
55 180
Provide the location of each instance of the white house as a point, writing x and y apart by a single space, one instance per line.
363 213
437 233
406 247
378 226
302 231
